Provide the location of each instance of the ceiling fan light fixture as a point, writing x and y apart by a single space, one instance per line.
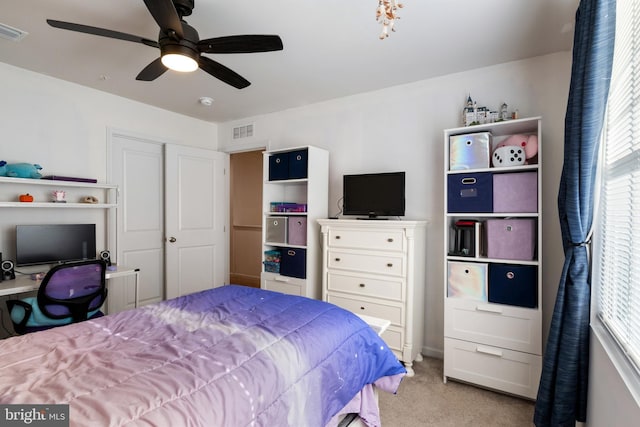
179 62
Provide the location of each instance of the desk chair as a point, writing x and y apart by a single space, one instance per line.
69 293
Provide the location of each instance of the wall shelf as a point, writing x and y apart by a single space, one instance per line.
41 189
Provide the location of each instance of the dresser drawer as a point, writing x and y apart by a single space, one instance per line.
503 326
393 313
378 240
391 289
284 284
494 367
367 263
394 337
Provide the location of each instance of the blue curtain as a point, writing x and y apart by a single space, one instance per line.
562 394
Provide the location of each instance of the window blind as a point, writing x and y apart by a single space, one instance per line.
617 268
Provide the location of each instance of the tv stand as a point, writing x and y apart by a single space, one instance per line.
372 218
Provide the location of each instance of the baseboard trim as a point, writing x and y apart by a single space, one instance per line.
436 353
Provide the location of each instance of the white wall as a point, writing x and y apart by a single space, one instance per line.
401 128
64 126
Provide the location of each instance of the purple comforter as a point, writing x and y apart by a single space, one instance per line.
230 356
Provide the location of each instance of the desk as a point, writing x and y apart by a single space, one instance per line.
25 284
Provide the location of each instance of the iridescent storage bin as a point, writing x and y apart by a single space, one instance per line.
469 151
467 280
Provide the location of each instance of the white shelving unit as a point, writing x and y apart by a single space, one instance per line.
44 210
495 345
312 191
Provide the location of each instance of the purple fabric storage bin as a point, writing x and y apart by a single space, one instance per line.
470 151
515 192
470 192
297 231
511 238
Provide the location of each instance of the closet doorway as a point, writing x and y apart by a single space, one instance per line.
246 217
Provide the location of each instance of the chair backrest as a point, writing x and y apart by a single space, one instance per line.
73 289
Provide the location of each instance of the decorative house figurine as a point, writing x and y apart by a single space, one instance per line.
504 114
468 113
474 115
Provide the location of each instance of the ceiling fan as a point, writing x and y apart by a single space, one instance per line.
179 43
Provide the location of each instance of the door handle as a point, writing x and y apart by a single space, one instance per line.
172 239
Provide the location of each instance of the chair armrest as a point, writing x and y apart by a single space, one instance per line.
21 326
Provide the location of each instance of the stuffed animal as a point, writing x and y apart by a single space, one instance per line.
20 170
529 143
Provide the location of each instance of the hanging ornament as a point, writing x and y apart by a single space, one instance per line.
386 14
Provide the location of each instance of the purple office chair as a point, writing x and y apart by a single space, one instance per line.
69 293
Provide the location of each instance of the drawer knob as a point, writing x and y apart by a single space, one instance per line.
361 308
362 285
337 237
390 240
337 259
389 264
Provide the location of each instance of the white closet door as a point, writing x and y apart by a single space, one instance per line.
196 211
137 167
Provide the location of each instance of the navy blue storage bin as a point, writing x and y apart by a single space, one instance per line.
513 284
298 164
278 166
470 192
293 263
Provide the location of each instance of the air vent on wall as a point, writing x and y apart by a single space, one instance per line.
10 33
245 131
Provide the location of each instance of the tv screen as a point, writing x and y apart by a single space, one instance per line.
374 194
54 243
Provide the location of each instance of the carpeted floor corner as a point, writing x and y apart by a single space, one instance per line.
425 400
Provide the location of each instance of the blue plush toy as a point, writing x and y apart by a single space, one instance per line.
20 170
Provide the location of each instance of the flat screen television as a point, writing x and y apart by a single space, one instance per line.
374 194
54 243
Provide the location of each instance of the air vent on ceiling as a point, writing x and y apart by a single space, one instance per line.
245 131
10 33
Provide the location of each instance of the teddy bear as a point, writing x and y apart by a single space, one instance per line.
515 150
20 170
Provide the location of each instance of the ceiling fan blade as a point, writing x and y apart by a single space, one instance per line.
241 44
102 32
165 14
152 71
223 73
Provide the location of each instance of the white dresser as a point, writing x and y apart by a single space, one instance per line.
377 268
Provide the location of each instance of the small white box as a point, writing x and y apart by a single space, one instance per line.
377 324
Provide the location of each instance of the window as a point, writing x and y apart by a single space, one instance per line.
617 257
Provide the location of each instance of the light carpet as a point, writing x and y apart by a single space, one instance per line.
425 400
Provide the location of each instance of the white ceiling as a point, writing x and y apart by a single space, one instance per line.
331 47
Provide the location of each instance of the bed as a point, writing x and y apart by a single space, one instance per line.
230 356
